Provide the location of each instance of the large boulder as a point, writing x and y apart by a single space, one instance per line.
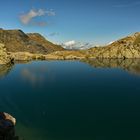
7 127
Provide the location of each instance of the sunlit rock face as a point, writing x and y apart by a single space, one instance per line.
128 47
4 57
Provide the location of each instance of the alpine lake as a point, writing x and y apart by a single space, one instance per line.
73 100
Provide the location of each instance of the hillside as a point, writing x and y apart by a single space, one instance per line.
47 44
18 41
128 47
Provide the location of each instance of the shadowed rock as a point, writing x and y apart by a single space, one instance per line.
7 127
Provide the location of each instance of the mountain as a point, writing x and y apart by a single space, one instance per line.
128 47
73 45
18 41
47 44
33 46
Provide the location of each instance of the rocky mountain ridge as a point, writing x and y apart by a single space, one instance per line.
128 47
18 41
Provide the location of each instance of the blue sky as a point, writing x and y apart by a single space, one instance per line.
94 21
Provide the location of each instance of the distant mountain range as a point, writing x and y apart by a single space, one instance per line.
73 45
21 46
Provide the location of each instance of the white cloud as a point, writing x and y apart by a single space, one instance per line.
70 43
27 17
50 13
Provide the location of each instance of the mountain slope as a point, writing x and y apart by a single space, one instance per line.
128 47
47 44
18 41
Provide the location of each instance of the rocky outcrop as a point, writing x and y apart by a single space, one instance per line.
4 57
7 127
26 56
128 47
18 41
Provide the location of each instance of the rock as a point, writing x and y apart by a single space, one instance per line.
7 127
26 56
10 118
4 57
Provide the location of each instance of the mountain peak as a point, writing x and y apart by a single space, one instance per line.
18 41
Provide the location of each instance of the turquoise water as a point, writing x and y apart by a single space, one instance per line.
72 100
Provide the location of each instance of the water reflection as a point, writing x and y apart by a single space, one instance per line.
130 65
74 100
32 76
35 76
5 69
